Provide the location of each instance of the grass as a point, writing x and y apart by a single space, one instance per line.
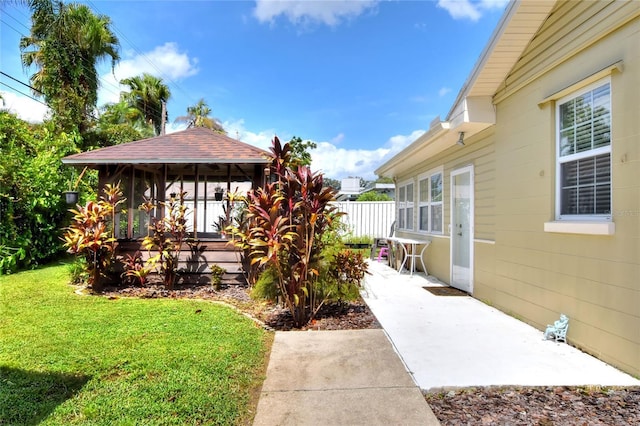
75 359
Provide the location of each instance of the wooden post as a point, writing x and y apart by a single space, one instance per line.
195 204
132 188
228 190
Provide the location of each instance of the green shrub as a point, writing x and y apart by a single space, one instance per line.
266 287
78 271
373 196
217 272
32 179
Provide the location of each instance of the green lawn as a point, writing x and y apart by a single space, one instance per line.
72 359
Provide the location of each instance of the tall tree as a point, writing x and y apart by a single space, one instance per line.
300 155
149 95
198 116
118 123
65 44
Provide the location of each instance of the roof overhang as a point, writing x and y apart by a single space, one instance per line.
106 161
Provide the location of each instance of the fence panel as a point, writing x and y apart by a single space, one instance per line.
368 218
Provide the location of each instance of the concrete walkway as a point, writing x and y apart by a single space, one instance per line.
451 341
339 378
369 377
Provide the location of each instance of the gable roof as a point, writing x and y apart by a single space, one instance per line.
195 145
473 109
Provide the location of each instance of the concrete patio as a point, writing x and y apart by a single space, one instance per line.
451 341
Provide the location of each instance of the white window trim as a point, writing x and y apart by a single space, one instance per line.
406 205
420 203
560 218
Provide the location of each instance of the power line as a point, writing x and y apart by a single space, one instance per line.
24 94
15 19
105 84
8 25
146 58
18 81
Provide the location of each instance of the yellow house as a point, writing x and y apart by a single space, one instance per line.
529 190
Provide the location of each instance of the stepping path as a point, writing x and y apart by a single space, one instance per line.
351 377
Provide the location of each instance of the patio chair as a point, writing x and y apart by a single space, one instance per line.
382 244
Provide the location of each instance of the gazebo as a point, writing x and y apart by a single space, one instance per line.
198 161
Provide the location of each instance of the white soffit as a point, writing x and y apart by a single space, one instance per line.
510 39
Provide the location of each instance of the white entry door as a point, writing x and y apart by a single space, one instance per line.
461 229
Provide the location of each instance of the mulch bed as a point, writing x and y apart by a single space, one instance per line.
543 406
336 316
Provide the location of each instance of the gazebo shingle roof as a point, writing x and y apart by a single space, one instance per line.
195 145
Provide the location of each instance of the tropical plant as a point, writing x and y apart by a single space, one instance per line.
135 269
65 43
217 272
284 224
167 236
344 275
32 212
149 95
198 116
92 235
118 123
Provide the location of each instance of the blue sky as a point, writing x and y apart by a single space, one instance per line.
361 78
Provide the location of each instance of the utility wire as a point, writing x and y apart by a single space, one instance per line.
106 85
24 94
146 58
16 19
18 81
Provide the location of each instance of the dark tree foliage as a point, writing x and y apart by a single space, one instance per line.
32 179
65 44
300 155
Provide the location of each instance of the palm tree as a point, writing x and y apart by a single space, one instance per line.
198 116
65 44
149 95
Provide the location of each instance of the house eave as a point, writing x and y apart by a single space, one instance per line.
106 161
408 154
442 136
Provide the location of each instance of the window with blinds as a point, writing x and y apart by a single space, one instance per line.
584 153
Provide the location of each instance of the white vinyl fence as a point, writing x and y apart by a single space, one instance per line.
368 218
364 218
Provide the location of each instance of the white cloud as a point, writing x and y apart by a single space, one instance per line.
335 162
165 61
468 9
236 129
24 107
399 142
304 12
443 91
338 163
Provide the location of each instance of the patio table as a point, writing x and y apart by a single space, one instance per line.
409 247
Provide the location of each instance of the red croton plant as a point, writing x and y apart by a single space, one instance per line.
91 233
283 227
